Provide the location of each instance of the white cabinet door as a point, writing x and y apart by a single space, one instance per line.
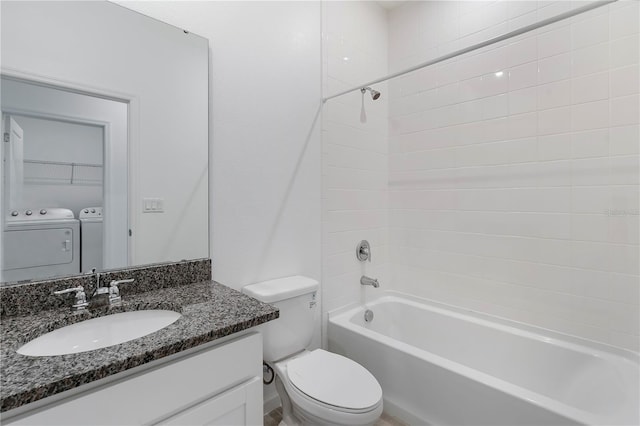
236 407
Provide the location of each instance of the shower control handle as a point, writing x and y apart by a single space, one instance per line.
363 251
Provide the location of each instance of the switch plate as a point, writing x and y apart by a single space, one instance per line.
153 205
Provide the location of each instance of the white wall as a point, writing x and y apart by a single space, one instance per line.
49 140
355 165
265 149
265 91
514 171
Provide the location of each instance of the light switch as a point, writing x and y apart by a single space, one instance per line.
153 205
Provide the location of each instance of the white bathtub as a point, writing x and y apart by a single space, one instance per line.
444 366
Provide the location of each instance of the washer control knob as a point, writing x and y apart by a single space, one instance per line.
28 212
93 210
43 211
14 213
86 210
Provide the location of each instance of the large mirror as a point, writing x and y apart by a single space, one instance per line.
105 140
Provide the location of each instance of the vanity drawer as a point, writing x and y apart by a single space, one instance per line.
166 391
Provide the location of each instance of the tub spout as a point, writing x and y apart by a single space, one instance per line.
369 281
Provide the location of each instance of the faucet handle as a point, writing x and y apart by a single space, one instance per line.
114 291
81 297
115 283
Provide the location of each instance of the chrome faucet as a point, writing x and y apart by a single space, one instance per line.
100 296
369 281
106 295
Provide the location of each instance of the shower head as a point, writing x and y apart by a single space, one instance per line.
374 93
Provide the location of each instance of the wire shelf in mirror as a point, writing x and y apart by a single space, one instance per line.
61 173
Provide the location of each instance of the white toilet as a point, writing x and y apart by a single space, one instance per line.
315 387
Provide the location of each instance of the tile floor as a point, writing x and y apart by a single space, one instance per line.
274 417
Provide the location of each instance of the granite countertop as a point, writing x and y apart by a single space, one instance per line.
209 311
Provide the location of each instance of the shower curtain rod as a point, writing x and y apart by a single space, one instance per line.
480 45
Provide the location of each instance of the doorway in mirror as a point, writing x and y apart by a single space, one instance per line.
64 182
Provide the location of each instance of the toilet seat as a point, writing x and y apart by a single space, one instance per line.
335 381
318 411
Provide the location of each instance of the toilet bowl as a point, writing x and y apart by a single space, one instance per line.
315 387
324 388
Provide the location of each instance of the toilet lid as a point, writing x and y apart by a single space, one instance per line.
334 380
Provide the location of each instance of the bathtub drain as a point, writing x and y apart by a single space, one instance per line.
368 315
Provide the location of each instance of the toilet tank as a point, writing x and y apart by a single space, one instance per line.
293 330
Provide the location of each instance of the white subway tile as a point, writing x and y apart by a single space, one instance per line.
554 42
590 172
624 227
518 8
494 107
590 59
348 157
609 286
624 19
591 255
594 143
554 173
341 199
494 130
595 199
471 111
592 87
554 147
522 20
471 89
553 95
523 125
590 31
548 9
590 227
554 252
625 170
624 258
556 120
624 198
624 51
554 68
523 100
625 110
624 81
521 51
471 66
523 76
449 94
494 84
591 115
624 140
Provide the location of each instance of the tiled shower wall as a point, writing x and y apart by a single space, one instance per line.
354 154
513 171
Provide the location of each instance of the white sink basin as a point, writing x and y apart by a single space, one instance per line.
99 333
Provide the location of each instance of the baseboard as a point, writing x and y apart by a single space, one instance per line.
404 415
271 403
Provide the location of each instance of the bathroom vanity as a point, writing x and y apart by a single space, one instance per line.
196 389
205 368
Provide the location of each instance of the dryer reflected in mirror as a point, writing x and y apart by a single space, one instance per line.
55 181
